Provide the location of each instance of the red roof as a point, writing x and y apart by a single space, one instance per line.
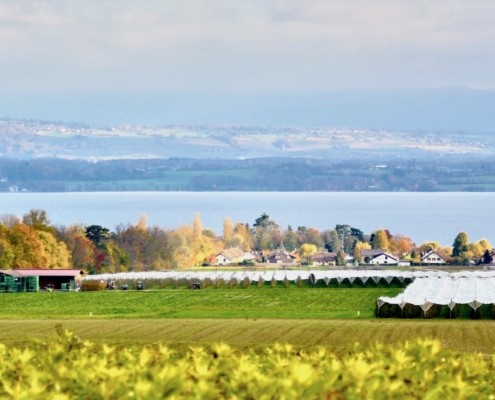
41 272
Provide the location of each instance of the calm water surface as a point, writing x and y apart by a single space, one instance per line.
422 216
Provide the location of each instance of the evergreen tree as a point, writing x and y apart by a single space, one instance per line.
461 244
358 234
343 231
487 258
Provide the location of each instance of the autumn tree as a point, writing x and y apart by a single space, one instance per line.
310 235
358 248
381 240
476 249
425 246
485 244
10 220
38 219
197 228
447 250
404 245
143 221
56 253
306 251
24 243
228 229
244 234
80 247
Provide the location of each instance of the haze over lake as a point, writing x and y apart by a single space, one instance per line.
422 216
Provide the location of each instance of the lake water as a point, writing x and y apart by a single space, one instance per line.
422 216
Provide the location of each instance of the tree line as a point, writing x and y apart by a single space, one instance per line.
34 242
266 174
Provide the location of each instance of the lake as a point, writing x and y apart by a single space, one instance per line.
422 216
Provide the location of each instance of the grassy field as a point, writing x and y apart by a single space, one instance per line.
255 334
222 303
170 179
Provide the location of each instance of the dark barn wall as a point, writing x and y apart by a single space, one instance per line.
56 281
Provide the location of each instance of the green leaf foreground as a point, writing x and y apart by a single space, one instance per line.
64 367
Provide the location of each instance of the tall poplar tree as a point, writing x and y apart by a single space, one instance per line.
197 228
381 240
228 229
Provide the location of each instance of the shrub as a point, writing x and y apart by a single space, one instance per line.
93 286
299 282
233 283
273 283
286 283
246 282
220 282
206 282
260 282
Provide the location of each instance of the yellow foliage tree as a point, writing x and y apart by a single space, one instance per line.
57 255
430 245
485 244
197 228
306 251
476 249
228 229
404 246
246 234
381 240
358 248
23 247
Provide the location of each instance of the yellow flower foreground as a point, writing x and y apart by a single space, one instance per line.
66 368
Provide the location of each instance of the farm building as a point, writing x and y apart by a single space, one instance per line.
32 280
281 256
233 255
319 259
378 256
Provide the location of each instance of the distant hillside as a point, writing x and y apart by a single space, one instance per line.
26 139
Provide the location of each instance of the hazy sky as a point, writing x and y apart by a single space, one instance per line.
74 53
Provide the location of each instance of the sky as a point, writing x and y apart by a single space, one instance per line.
419 64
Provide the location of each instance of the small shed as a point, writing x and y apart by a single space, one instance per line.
57 279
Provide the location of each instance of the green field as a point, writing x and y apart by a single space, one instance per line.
339 335
223 303
169 180
247 319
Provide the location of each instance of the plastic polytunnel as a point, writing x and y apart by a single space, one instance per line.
353 276
473 288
